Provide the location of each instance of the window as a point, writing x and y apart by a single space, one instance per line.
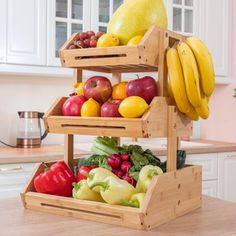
181 15
102 11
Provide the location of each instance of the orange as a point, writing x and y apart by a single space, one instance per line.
119 90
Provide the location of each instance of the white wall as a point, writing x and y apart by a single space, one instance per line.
28 93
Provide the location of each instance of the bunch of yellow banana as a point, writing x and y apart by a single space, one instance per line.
192 79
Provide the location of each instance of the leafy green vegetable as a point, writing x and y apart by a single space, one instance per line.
95 160
105 146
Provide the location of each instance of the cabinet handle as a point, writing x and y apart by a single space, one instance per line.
231 156
2 170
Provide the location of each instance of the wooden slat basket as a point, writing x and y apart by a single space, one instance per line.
171 194
152 124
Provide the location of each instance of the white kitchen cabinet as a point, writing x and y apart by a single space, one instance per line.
209 188
227 176
26 32
208 162
65 17
3 31
215 18
13 177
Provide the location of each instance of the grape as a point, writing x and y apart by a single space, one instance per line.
93 38
86 43
93 43
99 34
83 36
80 44
72 46
90 33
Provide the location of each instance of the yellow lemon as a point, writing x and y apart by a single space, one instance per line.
79 88
91 108
107 40
135 40
133 107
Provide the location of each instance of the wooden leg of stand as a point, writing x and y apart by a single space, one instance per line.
78 75
69 149
172 139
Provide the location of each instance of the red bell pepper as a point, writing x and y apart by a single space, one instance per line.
82 170
56 181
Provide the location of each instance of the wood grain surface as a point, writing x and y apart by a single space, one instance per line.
216 217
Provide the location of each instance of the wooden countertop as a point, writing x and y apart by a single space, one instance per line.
55 152
216 217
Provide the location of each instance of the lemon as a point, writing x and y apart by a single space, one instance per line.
91 108
79 88
133 107
107 40
135 40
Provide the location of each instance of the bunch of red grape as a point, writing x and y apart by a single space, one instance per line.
86 40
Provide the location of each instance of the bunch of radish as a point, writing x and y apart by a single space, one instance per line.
121 165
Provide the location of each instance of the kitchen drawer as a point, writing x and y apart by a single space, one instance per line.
208 162
209 188
13 190
15 173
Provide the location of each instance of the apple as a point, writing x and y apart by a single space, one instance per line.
99 88
72 106
145 88
110 108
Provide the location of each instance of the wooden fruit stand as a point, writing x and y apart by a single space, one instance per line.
171 194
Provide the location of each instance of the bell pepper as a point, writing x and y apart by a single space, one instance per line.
98 175
82 191
56 180
83 170
66 168
135 201
145 177
114 190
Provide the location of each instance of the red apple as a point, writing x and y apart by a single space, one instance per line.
110 108
72 106
99 88
145 88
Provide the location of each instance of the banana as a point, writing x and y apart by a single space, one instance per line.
177 85
205 64
191 74
203 110
192 114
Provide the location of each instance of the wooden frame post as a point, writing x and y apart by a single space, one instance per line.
69 150
162 65
172 139
78 75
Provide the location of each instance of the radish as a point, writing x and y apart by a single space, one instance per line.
125 157
114 161
125 166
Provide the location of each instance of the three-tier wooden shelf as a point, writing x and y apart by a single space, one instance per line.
171 194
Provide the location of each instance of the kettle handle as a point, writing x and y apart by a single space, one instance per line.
40 115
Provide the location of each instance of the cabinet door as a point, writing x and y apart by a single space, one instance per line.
26 32
65 17
3 28
13 177
209 188
102 10
214 29
227 176
183 16
207 161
